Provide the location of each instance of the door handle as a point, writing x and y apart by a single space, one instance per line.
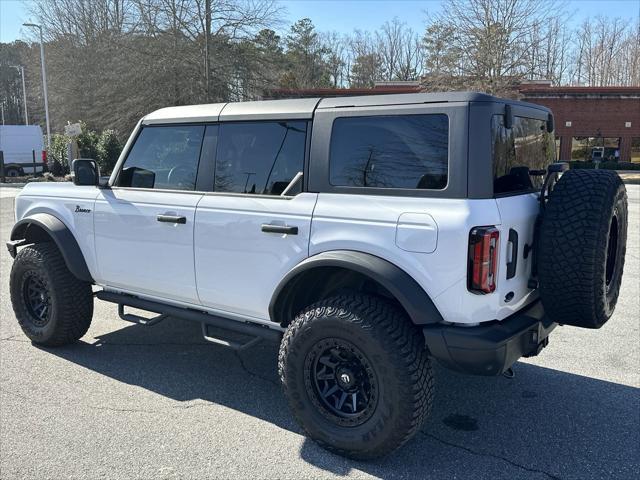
269 228
171 219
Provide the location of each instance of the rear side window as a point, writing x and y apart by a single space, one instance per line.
259 157
518 152
164 158
398 151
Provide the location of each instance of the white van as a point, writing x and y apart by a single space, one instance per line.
18 144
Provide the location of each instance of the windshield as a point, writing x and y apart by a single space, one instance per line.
519 151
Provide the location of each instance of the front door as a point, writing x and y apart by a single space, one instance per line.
144 225
248 235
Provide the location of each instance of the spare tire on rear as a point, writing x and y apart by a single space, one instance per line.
581 249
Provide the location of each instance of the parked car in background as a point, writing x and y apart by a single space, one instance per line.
18 144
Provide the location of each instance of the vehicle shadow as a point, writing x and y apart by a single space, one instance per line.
541 424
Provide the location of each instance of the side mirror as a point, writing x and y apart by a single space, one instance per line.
86 172
550 125
508 116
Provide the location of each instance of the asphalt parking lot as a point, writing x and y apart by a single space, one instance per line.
130 401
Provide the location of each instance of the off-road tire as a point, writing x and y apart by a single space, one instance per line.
70 299
396 352
582 247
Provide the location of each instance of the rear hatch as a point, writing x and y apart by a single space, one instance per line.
520 156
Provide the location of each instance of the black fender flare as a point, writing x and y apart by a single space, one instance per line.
401 285
57 231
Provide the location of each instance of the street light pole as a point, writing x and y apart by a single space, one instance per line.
24 93
24 96
44 82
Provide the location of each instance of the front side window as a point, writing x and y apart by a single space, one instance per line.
519 151
164 158
259 157
398 151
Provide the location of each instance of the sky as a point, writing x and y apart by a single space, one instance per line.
346 15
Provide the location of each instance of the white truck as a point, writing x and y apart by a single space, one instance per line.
368 235
22 146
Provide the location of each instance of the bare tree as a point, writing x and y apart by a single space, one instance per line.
365 62
111 61
607 53
337 57
495 38
400 51
412 57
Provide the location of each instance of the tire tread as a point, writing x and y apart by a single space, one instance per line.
74 297
402 340
571 250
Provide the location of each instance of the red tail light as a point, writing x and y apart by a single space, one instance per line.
483 259
44 156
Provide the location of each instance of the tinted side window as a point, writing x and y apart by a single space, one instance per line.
399 151
526 146
259 157
163 157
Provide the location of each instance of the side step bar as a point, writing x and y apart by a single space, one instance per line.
130 317
207 320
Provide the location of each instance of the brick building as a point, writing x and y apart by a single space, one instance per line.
602 115
585 117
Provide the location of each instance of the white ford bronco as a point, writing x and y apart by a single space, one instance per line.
368 235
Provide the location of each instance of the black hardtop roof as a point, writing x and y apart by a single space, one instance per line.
303 108
409 98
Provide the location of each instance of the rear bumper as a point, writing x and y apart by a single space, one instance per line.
490 349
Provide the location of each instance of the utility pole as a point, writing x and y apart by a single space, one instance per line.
24 96
207 39
24 92
44 81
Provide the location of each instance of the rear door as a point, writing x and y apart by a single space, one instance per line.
248 235
519 155
144 224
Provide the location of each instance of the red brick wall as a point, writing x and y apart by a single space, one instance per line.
592 111
592 116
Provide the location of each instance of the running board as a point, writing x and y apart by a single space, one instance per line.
130 317
256 332
228 342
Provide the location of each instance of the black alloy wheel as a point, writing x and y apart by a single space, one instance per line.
341 382
356 374
52 306
37 298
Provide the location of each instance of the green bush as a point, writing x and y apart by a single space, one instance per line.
609 166
57 155
620 165
109 148
577 164
88 142
605 165
103 147
579 153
